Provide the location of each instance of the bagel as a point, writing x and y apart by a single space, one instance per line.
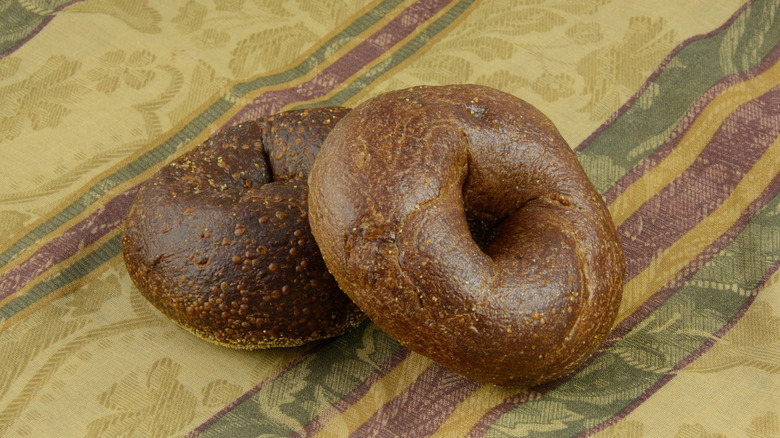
218 240
459 220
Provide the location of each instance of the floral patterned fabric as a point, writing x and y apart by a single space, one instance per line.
673 108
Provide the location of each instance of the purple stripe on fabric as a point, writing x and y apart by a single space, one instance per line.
349 64
686 273
688 360
705 185
330 77
422 408
90 228
84 233
38 28
676 209
685 123
661 67
651 304
502 408
342 405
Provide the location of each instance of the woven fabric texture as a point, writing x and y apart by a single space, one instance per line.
673 109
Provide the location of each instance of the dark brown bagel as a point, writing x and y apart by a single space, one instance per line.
461 222
218 240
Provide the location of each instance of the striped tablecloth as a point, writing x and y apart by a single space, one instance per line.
673 108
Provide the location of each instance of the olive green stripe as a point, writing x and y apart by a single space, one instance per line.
402 54
677 329
18 23
193 129
77 270
358 354
641 130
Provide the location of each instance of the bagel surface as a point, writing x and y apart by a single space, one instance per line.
219 241
459 220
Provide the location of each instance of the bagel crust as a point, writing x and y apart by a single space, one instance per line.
459 220
219 241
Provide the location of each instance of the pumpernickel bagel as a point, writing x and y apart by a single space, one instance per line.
218 240
461 222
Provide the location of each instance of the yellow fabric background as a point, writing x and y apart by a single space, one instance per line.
108 81
125 76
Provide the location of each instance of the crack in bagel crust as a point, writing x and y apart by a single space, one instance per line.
219 241
398 184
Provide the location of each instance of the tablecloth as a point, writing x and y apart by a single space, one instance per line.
672 107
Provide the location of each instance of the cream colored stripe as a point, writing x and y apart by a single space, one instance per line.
384 390
691 145
663 268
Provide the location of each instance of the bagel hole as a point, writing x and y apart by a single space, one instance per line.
482 233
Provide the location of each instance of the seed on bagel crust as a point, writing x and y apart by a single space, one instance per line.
217 238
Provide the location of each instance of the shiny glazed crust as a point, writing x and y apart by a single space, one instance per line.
219 241
461 222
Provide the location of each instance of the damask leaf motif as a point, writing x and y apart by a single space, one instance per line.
191 17
116 67
612 73
601 169
754 342
220 393
279 8
91 298
696 431
326 13
157 406
9 66
136 14
42 98
579 7
489 41
487 37
40 7
764 426
547 416
280 402
519 21
204 83
624 429
211 38
585 33
18 19
10 223
22 343
229 5
553 87
747 43
505 80
262 51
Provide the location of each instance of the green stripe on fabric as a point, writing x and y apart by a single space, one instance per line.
321 380
18 22
346 357
642 129
396 58
195 128
77 270
670 334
